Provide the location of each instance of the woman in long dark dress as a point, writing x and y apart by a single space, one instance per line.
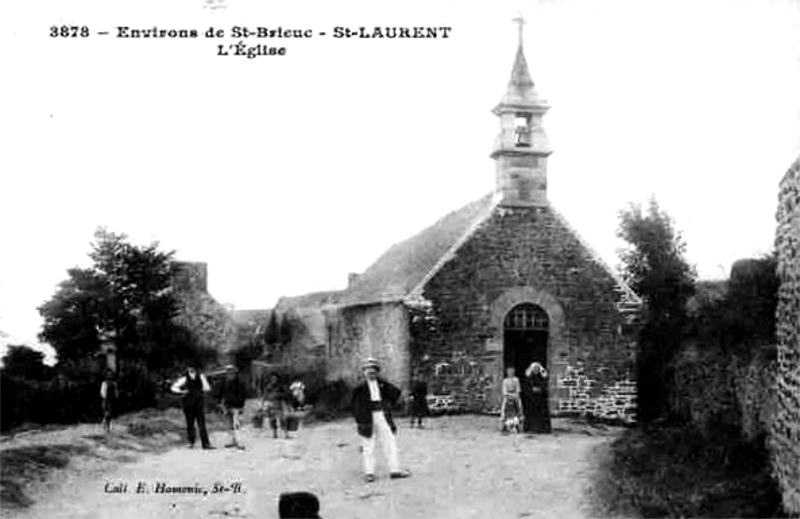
537 412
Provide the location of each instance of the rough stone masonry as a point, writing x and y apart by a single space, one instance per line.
786 428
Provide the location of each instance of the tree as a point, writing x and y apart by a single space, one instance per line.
654 266
126 297
272 332
24 362
72 316
285 330
753 301
741 317
285 335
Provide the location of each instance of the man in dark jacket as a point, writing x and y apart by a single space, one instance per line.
193 387
232 396
372 407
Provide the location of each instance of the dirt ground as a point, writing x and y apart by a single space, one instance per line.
461 468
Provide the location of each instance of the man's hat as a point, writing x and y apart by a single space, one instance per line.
371 362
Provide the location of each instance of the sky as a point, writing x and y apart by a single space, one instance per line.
285 173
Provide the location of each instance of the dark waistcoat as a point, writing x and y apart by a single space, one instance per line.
194 397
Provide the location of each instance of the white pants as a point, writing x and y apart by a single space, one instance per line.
383 434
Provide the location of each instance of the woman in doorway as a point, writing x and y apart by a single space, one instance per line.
511 414
537 414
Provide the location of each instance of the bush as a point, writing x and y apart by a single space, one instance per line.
673 472
136 389
329 399
16 396
717 393
332 400
72 395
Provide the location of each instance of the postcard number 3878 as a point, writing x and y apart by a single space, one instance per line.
69 31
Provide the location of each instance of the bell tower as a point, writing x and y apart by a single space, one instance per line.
521 149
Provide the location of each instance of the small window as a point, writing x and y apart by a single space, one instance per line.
527 316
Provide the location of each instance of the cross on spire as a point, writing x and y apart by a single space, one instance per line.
520 21
520 77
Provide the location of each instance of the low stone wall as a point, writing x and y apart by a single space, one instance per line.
580 394
464 384
461 384
786 430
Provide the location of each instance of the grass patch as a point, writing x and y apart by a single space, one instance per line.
153 427
675 472
23 465
154 422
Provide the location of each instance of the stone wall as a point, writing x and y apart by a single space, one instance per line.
582 395
379 330
308 328
717 392
190 276
210 322
786 430
526 255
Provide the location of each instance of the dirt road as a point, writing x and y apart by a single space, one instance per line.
462 468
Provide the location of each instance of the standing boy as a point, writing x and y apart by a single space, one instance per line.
419 399
232 398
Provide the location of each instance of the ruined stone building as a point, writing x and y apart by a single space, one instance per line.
502 281
211 322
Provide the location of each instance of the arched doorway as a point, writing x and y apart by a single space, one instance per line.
525 334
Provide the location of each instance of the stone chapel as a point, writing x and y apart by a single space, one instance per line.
502 281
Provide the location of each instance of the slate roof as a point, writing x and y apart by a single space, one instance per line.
401 273
314 299
408 264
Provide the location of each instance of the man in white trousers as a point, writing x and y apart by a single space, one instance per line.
372 407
